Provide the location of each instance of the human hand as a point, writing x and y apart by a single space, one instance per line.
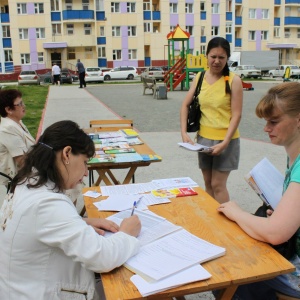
219 148
186 139
131 225
100 224
230 209
269 212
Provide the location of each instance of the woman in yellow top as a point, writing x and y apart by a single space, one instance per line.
221 100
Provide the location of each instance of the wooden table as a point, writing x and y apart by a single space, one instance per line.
105 169
246 260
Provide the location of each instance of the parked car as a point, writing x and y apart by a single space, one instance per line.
28 77
280 71
66 76
74 76
247 71
94 74
46 77
121 73
153 72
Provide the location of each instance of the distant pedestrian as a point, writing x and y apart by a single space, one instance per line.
81 71
56 74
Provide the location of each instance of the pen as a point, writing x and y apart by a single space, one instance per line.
134 206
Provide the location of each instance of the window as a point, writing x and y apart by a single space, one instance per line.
130 7
40 57
173 8
277 32
23 33
298 33
8 55
287 11
116 31
56 29
102 31
38 8
85 4
101 52
21 8
117 54
190 29
87 29
71 53
6 31
265 13
228 27
202 6
202 30
115 7
251 35
40 33
132 54
252 13
54 5
172 28
25 58
88 51
70 29
265 35
189 8
131 30
100 5
203 49
215 30
229 5
146 6
69 4
147 27
287 32
215 8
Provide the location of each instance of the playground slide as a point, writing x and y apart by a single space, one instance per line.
178 75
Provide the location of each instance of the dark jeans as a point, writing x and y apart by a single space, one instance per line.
81 79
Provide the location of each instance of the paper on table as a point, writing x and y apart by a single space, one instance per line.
92 194
195 147
192 274
174 182
129 189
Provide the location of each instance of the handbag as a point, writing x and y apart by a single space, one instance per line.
194 112
287 249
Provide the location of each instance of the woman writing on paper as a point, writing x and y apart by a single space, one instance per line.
220 99
280 107
47 250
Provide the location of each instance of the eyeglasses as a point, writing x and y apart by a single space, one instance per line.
20 104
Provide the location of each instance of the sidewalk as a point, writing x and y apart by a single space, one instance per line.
79 105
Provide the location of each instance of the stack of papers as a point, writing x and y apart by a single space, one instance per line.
195 147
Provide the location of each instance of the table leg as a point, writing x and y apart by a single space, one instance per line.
227 293
129 175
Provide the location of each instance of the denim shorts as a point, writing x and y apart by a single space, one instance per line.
228 160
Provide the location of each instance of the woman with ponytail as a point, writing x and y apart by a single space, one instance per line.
221 99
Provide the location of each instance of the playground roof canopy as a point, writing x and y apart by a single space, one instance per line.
178 34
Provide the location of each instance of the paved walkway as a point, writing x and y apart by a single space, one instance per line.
79 105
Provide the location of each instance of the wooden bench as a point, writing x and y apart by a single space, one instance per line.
149 83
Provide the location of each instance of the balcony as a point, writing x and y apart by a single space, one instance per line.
6 42
276 21
228 16
101 40
277 2
292 2
292 21
156 15
78 15
100 16
238 20
203 15
203 39
238 43
55 16
4 18
229 38
147 15
102 62
238 1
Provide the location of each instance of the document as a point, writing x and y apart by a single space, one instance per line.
195 147
169 183
267 182
192 274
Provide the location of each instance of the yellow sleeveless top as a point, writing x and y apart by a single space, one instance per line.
215 109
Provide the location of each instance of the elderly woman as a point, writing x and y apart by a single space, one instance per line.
47 250
15 139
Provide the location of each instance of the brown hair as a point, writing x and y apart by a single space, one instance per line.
285 96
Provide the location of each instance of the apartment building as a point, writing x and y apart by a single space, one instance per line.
114 33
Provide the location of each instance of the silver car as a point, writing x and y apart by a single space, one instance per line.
28 77
153 72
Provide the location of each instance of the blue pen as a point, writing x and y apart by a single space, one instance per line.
134 206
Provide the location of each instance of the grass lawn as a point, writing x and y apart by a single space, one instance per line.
34 96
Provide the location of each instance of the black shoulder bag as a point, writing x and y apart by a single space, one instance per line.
194 113
287 249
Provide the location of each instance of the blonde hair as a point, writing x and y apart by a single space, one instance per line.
285 96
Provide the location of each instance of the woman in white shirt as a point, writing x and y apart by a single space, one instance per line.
15 139
47 250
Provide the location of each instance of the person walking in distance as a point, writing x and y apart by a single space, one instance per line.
81 71
56 74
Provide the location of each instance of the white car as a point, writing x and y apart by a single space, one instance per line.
121 73
28 77
280 71
247 71
153 72
93 74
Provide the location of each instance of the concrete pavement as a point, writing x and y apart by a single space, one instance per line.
80 105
